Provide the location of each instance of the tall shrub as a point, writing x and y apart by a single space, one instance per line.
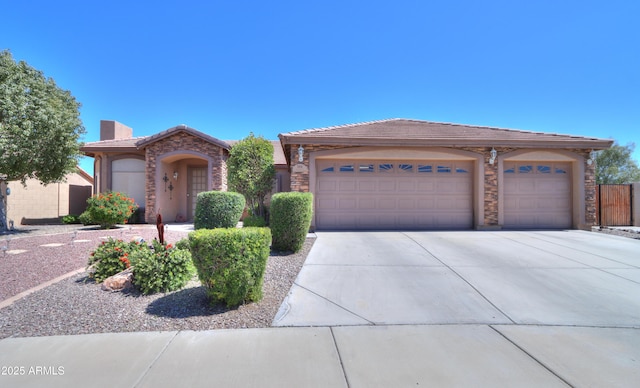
231 262
290 220
218 209
252 172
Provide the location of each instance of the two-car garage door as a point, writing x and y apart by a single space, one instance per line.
394 194
424 194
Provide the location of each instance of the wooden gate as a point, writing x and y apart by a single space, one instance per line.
614 205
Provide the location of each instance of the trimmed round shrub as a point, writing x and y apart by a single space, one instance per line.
218 209
111 257
231 262
290 220
162 269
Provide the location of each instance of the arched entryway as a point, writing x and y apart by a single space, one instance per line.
180 177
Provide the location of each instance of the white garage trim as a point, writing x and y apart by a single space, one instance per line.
541 157
472 160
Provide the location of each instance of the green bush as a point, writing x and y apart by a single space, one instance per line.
231 262
85 219
109 209
161 269
254 221
218 209
71 219
112 256
290 220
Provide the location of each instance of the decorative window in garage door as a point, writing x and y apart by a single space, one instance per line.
400 168
536 168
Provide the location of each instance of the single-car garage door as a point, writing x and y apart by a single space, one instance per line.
537 195
381 194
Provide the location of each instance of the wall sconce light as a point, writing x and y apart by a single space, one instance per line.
493 155
300 154
592 156
165 179
175 175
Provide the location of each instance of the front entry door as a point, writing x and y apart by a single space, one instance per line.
197 184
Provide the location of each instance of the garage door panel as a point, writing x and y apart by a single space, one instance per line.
367 204
347 186
405 186
394 194
347 203
326 203
387 203
406 204
386 185
426 203
426 186
537 195
327 186
367 186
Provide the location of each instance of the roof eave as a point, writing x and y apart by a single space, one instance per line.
89 151
571 143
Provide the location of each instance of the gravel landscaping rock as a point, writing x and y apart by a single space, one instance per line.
77 305
622 232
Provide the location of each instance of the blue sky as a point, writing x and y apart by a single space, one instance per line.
228 68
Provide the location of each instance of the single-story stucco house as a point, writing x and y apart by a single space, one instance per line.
388 174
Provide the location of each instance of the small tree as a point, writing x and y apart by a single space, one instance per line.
40 126
615 165
251 171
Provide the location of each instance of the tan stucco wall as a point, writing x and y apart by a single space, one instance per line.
37 202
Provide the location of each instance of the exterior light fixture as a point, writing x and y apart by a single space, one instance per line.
592 156
300 154
165 179
175 175
493 155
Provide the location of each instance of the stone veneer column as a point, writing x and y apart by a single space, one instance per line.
490 191
150 187
589 191
300 170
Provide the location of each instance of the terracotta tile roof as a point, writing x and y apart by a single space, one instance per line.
181 128
117 145
416 132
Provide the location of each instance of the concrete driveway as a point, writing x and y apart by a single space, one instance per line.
544 308
534 278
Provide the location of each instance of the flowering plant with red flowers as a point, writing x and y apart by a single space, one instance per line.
109 209
112 256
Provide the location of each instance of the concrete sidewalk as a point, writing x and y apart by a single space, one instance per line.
356 356
396 309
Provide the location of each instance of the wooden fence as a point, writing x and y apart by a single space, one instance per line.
614 205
